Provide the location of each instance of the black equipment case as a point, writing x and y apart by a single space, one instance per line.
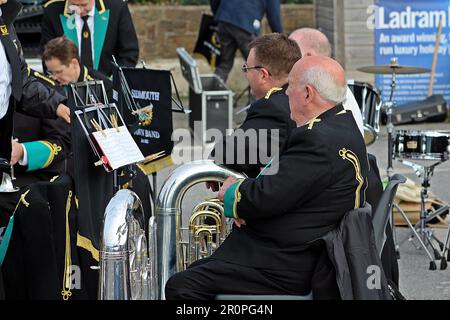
432 109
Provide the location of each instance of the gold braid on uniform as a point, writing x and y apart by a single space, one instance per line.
67 277
351 156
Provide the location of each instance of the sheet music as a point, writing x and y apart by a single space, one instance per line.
118 146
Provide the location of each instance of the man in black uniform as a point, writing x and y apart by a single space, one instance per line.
47 147
268 121
93 189
18 86
42 147
109 22
321 176
64 66
30 95
39 151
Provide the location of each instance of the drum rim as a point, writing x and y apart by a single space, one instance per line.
421 156
363 84
427 133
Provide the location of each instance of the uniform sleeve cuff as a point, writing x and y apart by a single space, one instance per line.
40 154
24 160
231 198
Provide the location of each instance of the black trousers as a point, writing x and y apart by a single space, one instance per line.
8 202
231 39
206 278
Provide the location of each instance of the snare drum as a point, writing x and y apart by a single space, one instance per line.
370 104
421 145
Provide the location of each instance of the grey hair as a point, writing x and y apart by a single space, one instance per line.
325 84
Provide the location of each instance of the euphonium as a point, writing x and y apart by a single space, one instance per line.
125 272
172 255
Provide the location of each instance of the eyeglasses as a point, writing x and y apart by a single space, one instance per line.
245 68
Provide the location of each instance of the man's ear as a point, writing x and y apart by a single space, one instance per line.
265 73
309 93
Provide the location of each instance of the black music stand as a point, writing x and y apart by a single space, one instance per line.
94 186
138 88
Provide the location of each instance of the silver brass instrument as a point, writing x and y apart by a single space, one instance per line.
125 272
7 175
131 267
174 254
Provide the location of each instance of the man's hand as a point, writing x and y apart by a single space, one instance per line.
224 187
3 2
63 111
213 185
239 222
16 152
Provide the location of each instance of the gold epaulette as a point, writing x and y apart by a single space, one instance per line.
271 91
341 112
102 6
41 76
52 1
312 122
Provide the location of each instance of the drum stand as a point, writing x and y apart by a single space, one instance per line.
390 132
446 251
420 231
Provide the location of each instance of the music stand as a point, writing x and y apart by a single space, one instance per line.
88 93
90 101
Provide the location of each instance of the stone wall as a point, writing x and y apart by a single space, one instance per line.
161 29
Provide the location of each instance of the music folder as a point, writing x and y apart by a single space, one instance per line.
108 136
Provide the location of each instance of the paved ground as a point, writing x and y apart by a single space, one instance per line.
416 281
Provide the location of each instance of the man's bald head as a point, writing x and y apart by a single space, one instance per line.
312 42
324 74
316 84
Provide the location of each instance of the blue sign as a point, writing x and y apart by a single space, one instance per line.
407 30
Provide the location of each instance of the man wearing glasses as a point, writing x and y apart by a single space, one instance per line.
269 62
42 146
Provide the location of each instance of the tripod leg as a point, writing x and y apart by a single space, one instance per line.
427 239
447 245
418 238
445 256
439 242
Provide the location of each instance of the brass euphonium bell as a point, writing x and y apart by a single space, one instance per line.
7 172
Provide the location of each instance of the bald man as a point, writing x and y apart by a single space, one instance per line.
321 176
312 42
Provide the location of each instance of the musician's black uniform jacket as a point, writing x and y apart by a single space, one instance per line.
114 32
37 100
322 174
271 113
46 143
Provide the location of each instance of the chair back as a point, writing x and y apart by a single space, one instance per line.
380 216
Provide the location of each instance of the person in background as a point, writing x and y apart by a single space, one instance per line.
312 42
100 29
239 22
